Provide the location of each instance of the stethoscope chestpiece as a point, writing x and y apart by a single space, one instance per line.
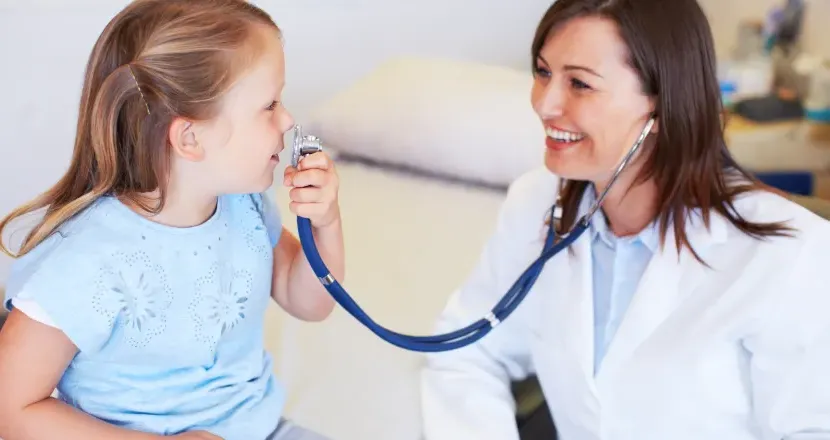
304 145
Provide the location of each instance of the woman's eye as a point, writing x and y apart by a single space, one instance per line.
541 71
273 105
579 85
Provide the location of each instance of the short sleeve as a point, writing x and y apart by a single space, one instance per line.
63 280
270 216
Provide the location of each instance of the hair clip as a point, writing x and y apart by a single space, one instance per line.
143 99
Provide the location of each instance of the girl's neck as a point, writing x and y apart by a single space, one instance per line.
181 209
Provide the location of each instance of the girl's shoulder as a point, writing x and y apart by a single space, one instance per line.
255 212
76 243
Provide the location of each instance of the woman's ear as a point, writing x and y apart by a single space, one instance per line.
182 138
655 127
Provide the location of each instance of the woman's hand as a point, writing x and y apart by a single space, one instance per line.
314 188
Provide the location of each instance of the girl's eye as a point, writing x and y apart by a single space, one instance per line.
273 105
579 85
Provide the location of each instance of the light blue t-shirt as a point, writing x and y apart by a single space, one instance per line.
168 321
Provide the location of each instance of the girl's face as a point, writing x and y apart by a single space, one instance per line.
589 99
241 146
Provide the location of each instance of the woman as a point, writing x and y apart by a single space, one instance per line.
694 307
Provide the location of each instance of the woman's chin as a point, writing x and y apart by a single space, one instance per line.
564 165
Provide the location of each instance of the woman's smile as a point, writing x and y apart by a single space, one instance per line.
559 139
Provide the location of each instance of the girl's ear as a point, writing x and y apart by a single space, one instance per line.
182 138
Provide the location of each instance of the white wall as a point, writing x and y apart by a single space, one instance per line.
329 43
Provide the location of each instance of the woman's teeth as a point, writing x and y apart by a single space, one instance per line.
563 136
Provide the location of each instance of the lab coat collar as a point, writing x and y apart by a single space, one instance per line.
670 279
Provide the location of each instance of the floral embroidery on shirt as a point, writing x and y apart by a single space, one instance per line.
133 293
257 233
257 240
220 301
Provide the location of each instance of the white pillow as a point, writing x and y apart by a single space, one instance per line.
460 119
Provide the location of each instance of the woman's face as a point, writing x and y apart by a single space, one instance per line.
589 99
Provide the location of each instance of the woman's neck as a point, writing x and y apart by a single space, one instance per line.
629 209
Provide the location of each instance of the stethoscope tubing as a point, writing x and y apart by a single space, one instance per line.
447 341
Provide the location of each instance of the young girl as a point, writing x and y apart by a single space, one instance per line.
141 293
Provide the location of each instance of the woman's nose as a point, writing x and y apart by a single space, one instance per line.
548 101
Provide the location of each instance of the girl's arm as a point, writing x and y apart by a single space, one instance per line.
33 357
314 190
296 288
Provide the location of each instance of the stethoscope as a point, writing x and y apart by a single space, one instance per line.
304 145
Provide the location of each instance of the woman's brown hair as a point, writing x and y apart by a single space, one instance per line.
154 61
671 48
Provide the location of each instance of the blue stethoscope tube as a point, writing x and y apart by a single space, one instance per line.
448 341
501 311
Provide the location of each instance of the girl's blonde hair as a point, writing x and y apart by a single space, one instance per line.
155 60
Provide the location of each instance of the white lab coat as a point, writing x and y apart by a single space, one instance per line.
737 352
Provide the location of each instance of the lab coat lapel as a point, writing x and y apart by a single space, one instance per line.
668 281
575 310
565 354
657 296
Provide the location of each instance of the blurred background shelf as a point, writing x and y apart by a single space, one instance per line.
792 155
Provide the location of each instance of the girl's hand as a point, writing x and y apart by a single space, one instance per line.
314 189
